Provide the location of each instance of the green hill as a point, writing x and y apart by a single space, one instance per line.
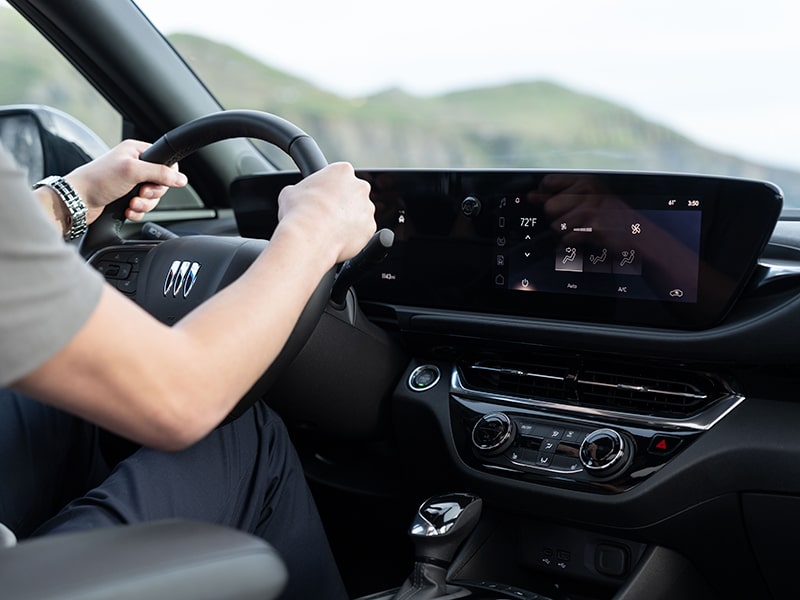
523 125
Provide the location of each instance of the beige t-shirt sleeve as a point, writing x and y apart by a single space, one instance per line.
47 291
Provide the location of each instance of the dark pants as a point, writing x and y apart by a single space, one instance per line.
246 475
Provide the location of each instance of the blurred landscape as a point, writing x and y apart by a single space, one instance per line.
536 124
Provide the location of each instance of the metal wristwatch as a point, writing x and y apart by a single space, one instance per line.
74 203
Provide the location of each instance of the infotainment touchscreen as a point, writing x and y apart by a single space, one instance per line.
662 250
647 247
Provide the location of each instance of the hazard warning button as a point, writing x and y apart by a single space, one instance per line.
664 444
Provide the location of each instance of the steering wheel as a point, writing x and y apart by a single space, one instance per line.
169 278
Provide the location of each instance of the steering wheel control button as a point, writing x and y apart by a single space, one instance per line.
493 433
602 451
424 378
664 445
114 270
121 268
129 284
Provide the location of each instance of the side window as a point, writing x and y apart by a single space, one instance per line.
33 72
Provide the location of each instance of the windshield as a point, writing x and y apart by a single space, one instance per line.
657 86
679 85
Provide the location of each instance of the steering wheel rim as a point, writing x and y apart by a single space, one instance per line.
227 257
186 139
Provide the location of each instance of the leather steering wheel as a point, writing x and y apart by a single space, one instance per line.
174 276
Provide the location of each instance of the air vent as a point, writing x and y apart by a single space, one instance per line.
597 384
541 380
655 392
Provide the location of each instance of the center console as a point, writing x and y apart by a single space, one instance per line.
569 334
576 435
577 421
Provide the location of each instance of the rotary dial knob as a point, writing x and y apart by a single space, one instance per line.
603 451
493 433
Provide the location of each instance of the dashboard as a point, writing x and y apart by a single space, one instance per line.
480 258
590 346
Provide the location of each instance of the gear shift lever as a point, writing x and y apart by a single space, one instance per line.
441 524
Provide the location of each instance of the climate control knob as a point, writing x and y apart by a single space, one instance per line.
603 451
493 433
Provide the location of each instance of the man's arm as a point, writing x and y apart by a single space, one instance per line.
167 387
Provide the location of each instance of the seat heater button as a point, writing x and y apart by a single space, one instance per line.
567 463
522 457
574 436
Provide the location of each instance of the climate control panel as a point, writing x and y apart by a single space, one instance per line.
574 452
550 446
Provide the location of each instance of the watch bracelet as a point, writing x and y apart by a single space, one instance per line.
73 202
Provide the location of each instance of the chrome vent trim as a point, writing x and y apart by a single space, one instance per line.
506 371
643 389
669 395
601 394
542 379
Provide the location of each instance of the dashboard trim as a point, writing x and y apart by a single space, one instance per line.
702 421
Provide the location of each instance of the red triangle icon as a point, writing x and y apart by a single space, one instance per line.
662 445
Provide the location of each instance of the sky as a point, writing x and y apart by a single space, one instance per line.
725 73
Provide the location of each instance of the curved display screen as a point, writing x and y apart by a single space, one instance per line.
597 244
649 249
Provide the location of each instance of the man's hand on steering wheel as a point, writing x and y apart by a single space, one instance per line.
326 196
116 173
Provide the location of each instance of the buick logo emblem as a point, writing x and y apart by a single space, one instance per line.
180 278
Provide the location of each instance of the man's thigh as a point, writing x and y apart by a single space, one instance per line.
245 475
47 457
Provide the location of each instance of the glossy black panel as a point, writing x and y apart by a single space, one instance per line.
663 250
